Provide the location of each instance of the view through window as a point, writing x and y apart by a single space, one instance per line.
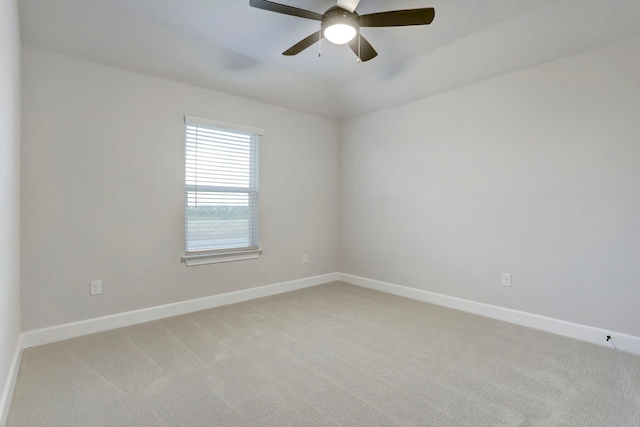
221 187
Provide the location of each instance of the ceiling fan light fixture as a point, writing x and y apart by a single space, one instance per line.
340 33
339 26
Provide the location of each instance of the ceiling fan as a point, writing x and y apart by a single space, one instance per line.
341 24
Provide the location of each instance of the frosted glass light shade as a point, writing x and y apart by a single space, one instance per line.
339 33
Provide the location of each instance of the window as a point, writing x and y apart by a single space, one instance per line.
221 191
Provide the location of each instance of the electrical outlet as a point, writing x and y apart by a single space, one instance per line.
96 287
305 258
506 279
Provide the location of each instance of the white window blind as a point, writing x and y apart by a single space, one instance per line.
221 187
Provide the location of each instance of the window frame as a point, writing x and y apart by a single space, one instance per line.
210 256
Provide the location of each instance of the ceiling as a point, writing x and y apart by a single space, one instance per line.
226 45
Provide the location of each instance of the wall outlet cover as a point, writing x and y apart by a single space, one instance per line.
96 287
506 279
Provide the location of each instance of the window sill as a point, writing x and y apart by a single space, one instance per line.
217 257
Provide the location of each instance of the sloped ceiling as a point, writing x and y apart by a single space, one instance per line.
226 45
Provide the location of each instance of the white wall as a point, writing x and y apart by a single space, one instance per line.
9 188
103 165
534 173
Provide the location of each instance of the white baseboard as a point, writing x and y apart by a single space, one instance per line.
624 342
590 334
7 392
99 324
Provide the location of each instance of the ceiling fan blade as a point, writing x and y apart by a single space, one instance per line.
398 18
303 44
365 51
349 5
283 8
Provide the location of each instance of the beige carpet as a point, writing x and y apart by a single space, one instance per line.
332 355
